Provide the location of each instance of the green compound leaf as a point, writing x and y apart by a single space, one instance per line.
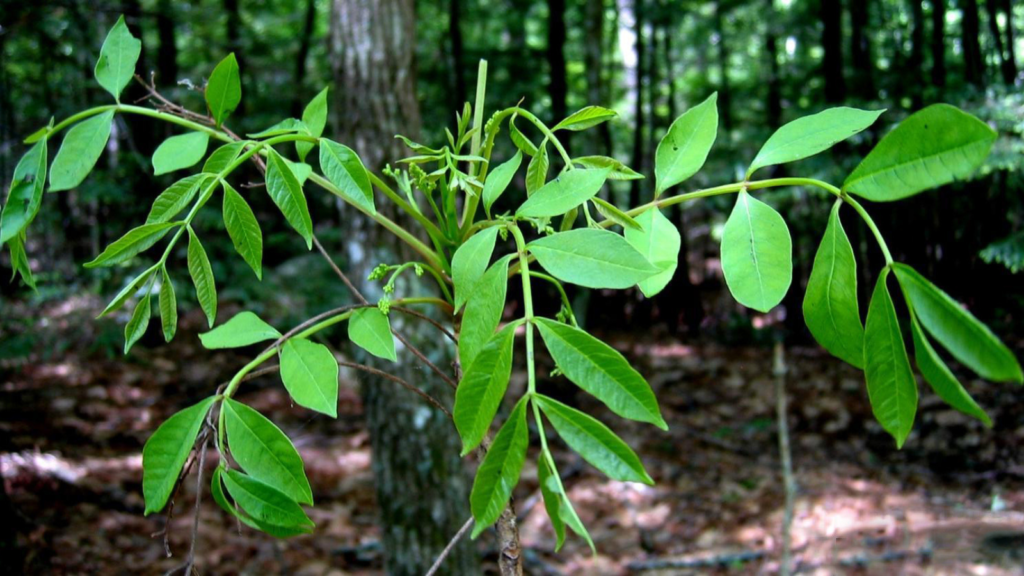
966 338
592 258
594 441
345 170
830 306
178 152
243 329
223 157
940 377
498 474
600 370
265 504
370 329
26 193
499 179
315 119
116 65
133 242
567 191
285 190
79 152
244 229
264 452
482 387
165 453
224 89
812 134
585 118
757 254
138 323
175 198
168 307
686 145
659 242
310 374
470 261
483 310
202 277
892 389
930 148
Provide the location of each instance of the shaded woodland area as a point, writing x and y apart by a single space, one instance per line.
74 413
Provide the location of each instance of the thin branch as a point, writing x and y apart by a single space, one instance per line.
189 565
451 546
426 318
344 278
398 380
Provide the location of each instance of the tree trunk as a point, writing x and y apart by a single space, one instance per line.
458 66
724 96
939 44
974 66
773 105
831 43
860 50
421 483
638 109
557 86
593 62
298 102
167 54
1006 64
1011 47
916 61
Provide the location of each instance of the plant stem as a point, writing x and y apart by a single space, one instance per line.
788 479
404 205
469 211
524 264
548 133
871 225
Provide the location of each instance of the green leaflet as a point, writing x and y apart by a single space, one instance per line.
19 261
300 170
830 306
470 261
79 151
315 119
498 474
537 169
519 140
592 258
285 190
619 171
178 152
613 213
202 276
165 453
26 193
223 157
930 148
483 310
266 504
242 329
567 191
892 389
498 180
127 292
38 134
370 329
659 242
116 65
939 376
812 134
264 452
686 145
244 229
175 198
310 374
585 118
138 323
482 387
286 126
594 441
217 490
966 338
757 254
133 242
346 171
600 370
168 307
224 89
557 504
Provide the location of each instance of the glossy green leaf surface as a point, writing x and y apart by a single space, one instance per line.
757 254
470 261
482 388
537 170
224 89
483 310
618 170
175 198
264 452
314 116
165 453
285 190
25 195
585 118
565 192
892 388
498 474
600 370
812 134
133 242
243 229
370 329
81 148
168 304
940 377
222 157
138 323
202 277
310 374
265 503
19 261
499 179
181 151
116 64
659 242
685 147
552 500
615 214
346 171
217 491
592 258
243 329
127 292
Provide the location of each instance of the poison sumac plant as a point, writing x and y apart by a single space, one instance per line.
472 258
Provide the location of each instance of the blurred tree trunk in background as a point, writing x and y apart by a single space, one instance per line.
773 106
1011 45
167 53
1007 64
299 78
860 49
638 102
832 45
593 60
915 64
458 66
724 94
421 484
558 88
974 64
939 44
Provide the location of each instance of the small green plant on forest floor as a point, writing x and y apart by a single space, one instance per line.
473 255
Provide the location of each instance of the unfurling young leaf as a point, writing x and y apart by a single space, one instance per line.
520 140
310 374
370 329
266 504
939 376
285 190
315 119
264 452
244 229
224 89
892 388
592 258
600 370
470 261
537 169
812 134
619 171
137 240
567 191
498 474
79 152
168 307
482 387
930 148
757 254
175 198
830 306
345 170
166 451
585 118
116 65
499 179
26 193
202 276
659 242
243 329
138 323
286 126
181 151
686 145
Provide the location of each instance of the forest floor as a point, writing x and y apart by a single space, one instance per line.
74 417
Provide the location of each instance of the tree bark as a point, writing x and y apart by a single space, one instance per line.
939 44
831 43
593 62
724 94
299 76
1007 65
167 54
916 61
773 105
638 109
1011 46
458 66
860 50
557 86
974 66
